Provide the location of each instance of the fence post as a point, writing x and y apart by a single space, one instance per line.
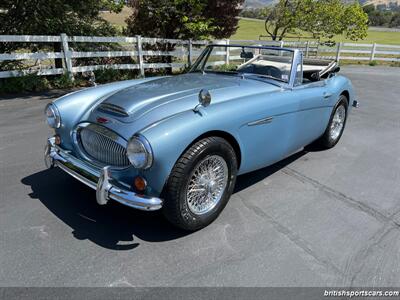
307 47
373 52
339 47
67 55
281 43
140 54
190 52
227 53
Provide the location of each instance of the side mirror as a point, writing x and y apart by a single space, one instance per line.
204 100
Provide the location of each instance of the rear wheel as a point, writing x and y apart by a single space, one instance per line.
200 184
336 125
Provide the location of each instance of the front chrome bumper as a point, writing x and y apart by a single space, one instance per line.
98 179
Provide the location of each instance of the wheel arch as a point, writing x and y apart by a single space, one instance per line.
222 134
346 94
212 133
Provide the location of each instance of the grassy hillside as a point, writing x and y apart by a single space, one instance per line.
252 29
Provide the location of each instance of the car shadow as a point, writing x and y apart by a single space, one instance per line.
114 226
246 180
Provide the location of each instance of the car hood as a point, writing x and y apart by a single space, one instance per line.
170 95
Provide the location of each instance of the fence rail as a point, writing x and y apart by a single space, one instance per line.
185 50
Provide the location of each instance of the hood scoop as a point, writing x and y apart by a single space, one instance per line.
112 109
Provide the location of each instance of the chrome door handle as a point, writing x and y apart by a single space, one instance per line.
327 95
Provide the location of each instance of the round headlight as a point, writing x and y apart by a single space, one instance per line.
139 152
53 116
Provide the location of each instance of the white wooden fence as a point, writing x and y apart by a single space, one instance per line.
185 50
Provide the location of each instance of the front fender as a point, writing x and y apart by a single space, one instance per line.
170 137
339 84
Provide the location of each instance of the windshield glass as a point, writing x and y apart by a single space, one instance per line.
250 61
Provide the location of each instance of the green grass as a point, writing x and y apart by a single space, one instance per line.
252 29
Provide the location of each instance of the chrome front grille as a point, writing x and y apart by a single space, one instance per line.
101 145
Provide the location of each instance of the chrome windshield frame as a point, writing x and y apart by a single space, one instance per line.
297 58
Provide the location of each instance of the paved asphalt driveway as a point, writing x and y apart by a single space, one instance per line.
316 219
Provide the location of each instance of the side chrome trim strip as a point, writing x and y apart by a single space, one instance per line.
261 121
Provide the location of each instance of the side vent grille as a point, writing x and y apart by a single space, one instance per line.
114 109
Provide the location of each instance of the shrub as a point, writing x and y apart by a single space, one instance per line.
110 75
373 63
63 82
395 64
34 83
27 83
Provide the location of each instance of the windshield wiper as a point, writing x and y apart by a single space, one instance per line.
222 72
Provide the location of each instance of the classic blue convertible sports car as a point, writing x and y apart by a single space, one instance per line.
177 143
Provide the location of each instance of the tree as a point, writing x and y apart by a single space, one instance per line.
184 19
369 8
395 20
223 15
323 19
285 17
378 17
44 17
354 22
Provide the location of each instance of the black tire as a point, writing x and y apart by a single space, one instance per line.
175 207
326 141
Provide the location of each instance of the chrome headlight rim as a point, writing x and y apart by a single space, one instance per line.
147 151
55 116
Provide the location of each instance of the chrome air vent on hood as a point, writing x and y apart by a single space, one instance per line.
113 109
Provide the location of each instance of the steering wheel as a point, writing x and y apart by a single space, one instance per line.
272 71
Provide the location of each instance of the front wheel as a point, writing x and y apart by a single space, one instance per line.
200 184
336 125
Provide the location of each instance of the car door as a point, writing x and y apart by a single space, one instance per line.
269 131
314 110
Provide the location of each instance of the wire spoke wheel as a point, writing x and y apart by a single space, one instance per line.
207 184
200 184
338 122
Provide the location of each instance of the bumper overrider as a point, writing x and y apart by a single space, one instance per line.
100 180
